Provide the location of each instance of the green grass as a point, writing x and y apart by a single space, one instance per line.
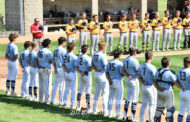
162 6
115 43
21 110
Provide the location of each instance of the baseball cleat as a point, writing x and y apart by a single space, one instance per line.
105 115
13 94
78 109
8 93
89 111
119 118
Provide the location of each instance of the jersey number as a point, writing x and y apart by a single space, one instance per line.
112 66
30 57
40 54
127 64
182 76
8 49
80 62
67 59
56 53
23 56
96 58
144 70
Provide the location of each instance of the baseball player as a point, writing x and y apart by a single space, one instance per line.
147 73
186 25
71 31
115 77
45 60
71 82
156 23
33 71
133 31
99 63
24 59
183 82
108 29
123 27
146 28
83 67
83 27
58 56
94 27
131 69
12 56
164 79
166 22
177 21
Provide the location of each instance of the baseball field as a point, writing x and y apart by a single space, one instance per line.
21 110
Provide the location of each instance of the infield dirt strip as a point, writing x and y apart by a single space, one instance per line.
3 76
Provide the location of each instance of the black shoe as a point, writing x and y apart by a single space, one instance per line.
138 51
125 52
111 54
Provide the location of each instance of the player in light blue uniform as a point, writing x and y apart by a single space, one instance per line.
164 80
71 81
115 78
99 63
59 53
83 67
24 59
33 86
12 56
183 82
131 69
147 73
45 60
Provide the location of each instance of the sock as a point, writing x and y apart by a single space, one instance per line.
78 100
8 84
143 46
147 46
30 91
180 118
88 100
126 106
118 47
13 86
35 92
133 108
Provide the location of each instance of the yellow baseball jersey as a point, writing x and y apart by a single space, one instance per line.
165 20
123 26
174 22
132 23
109 26
95 30
186 22
155 24
83 24
145 25
69 29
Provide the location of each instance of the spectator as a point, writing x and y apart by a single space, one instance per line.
37 32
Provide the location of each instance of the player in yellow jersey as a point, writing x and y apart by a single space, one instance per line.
156 23
71 31
83 27
146 28
186 25
166 22
94 27
108 29
176 22
133 31
123 27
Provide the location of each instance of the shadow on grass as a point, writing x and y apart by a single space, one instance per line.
52 109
